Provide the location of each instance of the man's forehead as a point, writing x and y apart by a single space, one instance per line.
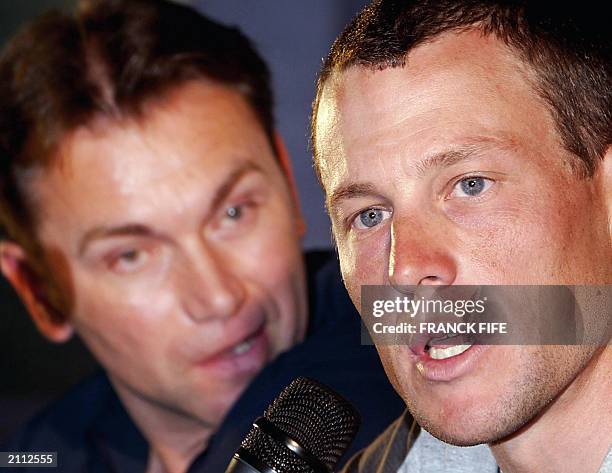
176 131
379 89
444 88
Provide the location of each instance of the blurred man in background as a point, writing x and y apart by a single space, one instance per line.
149 208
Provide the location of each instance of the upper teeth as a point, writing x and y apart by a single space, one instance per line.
242 347
443 353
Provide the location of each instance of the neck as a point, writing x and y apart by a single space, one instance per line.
573 433
175 439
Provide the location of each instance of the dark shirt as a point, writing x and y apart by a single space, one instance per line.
92 432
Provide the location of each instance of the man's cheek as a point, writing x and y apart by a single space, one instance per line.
364 260
127 317
280 253
278 272
397 367
350 276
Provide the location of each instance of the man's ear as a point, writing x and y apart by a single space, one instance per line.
285 163
15 266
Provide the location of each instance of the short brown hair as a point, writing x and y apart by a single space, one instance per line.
108 58
568 48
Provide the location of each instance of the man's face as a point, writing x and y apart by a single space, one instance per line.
450 171
176 238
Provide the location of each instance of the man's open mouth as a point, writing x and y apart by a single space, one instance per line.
245 345
442 353
447 347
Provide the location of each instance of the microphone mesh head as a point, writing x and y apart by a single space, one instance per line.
317 418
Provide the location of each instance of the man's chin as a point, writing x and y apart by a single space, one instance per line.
470 430
459 439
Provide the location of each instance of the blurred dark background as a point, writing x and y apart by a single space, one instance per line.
293 36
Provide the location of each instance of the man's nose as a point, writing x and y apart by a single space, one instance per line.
212 287
420 254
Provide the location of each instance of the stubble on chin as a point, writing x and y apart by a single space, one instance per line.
541 375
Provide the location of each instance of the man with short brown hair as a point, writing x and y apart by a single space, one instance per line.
469 143
149 208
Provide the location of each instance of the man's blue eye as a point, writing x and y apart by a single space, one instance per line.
130 261
371 217
234 212
130 256
473 185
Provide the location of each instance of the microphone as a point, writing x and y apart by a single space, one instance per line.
306 429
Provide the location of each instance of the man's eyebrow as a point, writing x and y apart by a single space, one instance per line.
474 148
127 229
350 191
445 159
138 229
